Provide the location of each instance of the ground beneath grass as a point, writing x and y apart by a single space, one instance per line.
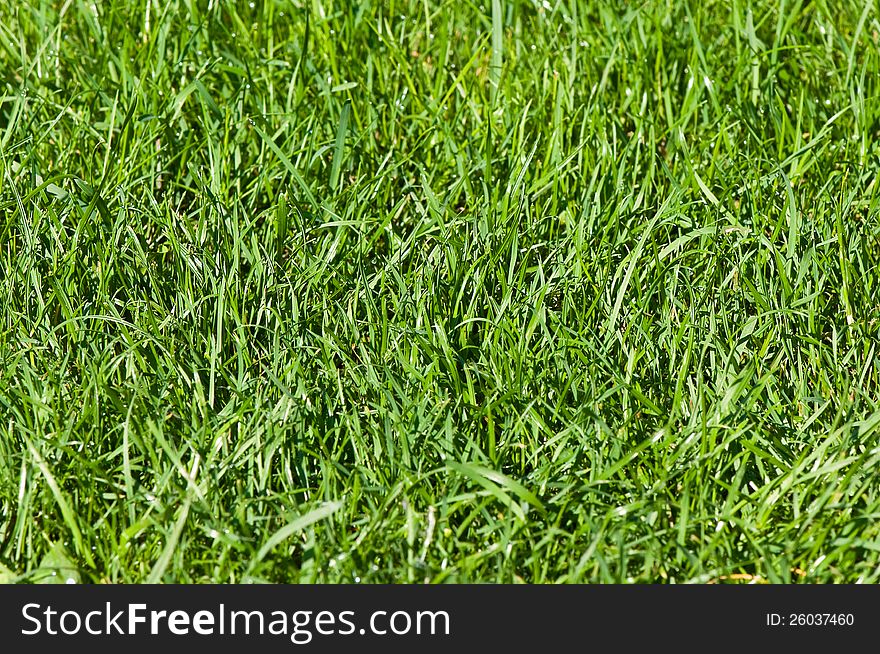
564 291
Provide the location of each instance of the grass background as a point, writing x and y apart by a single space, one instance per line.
414 291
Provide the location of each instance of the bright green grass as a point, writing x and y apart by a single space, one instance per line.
407 291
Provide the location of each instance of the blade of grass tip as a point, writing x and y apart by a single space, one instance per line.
794 223
126 459
294 527
683 517
17 110
341 133
280 226
170 546
497 51
621 291
28 233
66 510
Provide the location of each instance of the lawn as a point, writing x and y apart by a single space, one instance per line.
409 291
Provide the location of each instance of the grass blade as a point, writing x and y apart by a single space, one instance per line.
294 527
339 148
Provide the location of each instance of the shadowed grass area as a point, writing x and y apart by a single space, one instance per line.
415 291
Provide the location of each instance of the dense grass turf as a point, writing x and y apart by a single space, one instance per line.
407 291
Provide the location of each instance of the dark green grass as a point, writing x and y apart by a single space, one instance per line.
408 291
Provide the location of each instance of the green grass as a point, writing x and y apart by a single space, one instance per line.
408 291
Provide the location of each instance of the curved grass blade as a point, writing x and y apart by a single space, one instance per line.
295 526
499 485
